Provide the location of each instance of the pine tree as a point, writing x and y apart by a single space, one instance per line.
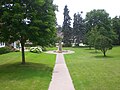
78 29
66 28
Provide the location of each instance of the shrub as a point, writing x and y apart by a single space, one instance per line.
4 50
67 45
17 50
36 49
44 49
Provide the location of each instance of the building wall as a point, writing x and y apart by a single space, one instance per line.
13 44
2 44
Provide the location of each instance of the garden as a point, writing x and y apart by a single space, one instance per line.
29 28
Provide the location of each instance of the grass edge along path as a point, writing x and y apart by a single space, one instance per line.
34 75
92 71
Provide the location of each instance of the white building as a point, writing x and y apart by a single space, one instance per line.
15 44
2 44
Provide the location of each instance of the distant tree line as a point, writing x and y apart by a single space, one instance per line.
97 30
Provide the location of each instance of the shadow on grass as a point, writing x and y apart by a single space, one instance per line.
89 49
18 71
104 57
94 52
80 47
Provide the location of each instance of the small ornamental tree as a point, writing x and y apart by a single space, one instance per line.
103 43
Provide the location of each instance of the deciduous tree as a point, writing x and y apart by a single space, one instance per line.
103 43
91 37
116 28
23 20
99 18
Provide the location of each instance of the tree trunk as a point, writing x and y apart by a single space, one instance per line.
60 46
104 52
119 40
90 47
77 45
23 52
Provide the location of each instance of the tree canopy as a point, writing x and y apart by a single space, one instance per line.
116 28
99 18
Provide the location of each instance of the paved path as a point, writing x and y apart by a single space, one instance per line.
61 79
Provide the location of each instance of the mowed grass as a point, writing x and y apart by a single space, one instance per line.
34 75
92 71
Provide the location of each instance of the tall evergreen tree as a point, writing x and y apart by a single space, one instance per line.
66 28
78 29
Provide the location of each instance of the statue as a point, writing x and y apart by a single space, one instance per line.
60 47
59 37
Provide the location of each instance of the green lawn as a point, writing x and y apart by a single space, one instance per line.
92 71
35 75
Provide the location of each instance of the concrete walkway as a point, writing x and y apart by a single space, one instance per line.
61 79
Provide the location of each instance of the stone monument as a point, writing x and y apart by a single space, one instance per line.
60 37
60 47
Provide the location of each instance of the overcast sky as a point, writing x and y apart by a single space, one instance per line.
111 6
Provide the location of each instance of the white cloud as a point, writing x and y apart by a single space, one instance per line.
111 6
